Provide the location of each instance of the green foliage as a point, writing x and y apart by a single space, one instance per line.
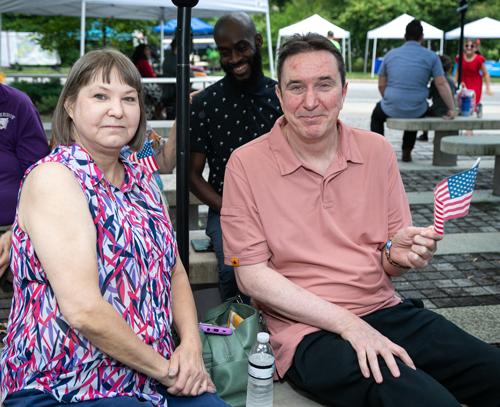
358 64
44 95
60 33
492 54
359 17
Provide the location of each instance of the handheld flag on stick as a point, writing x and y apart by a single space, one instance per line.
145 157
452 197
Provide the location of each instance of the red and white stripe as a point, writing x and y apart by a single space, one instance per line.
149 162
446 208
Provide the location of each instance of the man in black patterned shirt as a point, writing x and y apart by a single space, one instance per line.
237 109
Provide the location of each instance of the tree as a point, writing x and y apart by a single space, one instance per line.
359 17
61 34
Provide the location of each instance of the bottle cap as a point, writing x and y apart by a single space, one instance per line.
263 337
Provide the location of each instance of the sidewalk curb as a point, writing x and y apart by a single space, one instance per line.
473 320
463 243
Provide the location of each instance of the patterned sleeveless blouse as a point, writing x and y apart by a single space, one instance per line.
136 251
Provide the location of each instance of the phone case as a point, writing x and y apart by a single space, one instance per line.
216 330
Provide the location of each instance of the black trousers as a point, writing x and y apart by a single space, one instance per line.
453 367
377 126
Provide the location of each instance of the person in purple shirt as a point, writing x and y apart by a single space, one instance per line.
22 143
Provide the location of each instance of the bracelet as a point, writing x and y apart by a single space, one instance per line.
388 255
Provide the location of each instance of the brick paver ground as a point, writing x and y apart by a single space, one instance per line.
454 281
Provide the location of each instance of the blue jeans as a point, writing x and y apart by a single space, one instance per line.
28 398
227 280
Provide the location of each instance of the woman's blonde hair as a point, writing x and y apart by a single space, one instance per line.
84 71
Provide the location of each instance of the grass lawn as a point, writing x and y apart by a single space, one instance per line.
35 70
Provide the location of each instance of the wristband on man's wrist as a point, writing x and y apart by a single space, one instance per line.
388 255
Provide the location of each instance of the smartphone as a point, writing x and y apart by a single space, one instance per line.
216 330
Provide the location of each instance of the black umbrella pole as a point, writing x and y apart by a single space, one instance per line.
182 105
461 46
462 9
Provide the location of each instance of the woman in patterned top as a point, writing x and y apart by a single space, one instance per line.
97 279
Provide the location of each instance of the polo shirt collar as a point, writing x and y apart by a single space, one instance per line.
288 161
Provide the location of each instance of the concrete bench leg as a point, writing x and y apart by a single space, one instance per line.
440 158
496 176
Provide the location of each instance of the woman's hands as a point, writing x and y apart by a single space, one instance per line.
187 375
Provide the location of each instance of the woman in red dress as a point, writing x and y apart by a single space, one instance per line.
472 65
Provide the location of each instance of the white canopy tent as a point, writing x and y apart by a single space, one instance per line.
315 24
395 29
484 28
160 10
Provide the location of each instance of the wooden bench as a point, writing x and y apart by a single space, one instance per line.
443 128
476 146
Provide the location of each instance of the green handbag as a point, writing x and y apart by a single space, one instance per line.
226 356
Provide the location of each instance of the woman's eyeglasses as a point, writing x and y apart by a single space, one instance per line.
470 45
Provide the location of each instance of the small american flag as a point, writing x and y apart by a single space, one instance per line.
452 197
145 157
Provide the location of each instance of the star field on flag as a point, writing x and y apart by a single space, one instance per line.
145 157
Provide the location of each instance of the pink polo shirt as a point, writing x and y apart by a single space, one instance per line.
324 233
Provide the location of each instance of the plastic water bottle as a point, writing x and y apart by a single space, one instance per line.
260 373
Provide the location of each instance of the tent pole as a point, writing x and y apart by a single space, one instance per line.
183 32
162 36
366 53
343 49
374 56
349 53
428 44
277 49
82 30
269 43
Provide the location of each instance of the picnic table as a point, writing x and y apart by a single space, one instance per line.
443 128
476 146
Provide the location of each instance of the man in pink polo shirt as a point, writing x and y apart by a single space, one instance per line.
316 222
